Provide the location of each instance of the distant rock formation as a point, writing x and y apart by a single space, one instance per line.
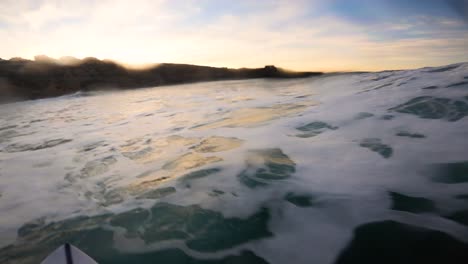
48 77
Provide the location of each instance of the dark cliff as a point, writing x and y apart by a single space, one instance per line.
46 77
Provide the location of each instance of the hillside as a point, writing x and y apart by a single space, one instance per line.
47 77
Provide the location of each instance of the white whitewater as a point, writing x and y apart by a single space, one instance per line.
343 143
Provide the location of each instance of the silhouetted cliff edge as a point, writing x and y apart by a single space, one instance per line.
47 77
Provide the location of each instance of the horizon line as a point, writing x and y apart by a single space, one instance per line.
145 65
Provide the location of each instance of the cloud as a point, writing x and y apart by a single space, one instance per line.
273 32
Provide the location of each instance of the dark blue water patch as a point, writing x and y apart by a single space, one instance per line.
393 242
249 181
131 220
387 117
432 87
177 129
148 173
457 84
460 217
363 115
451 173
53 231
37 121
401 202
408 134
201 230
300 200
93 146
376 145
157 193
145 114
208 123
7 135
199 174
112 197
97 167
36 146
274 166
444 69
461 196
204 230
407 81
7 127
216 192
381 86
428 107
314 128
379 78
466 77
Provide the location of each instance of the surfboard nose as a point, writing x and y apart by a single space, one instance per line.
68 254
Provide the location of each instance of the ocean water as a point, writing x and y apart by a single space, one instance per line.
341 168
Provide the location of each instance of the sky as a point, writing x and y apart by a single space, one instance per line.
325 35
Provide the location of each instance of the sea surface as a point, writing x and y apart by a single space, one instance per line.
341 168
